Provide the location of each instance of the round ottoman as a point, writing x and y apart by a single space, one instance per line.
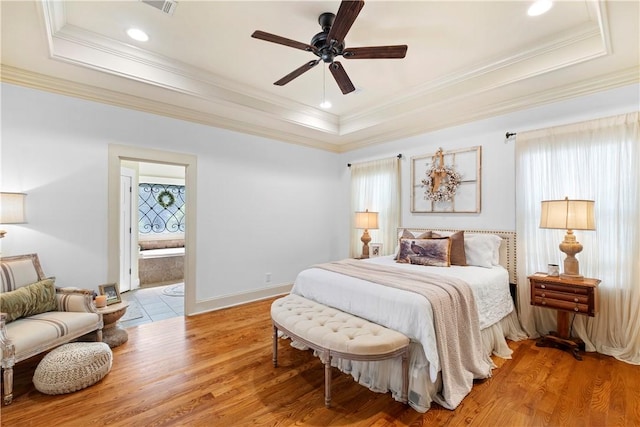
72 367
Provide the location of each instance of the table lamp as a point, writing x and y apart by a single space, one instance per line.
368 221
11 209
569 215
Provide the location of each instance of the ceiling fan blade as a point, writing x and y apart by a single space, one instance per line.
398 51
347 14
296 73
281 40
344 83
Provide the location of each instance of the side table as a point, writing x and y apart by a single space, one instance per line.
112 333
578 296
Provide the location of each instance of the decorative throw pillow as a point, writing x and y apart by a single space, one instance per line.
406 234
482 250
35 298
433 252
458 256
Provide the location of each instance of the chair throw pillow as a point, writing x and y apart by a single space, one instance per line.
26 301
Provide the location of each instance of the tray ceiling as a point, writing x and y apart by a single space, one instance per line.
466 60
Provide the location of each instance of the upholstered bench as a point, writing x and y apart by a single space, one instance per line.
72 367
333 333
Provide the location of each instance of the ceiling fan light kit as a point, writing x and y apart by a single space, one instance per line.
329 44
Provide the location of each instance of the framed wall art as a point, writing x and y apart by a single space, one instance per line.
447 181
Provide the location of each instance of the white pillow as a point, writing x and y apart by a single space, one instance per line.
482 250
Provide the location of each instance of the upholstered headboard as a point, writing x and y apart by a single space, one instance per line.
507 247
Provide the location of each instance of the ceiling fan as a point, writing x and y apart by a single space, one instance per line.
329 43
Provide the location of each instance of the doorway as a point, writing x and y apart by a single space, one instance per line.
119 154
159 229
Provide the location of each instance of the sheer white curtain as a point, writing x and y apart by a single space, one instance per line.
596 160
375 186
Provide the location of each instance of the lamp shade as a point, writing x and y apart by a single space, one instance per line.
568 214
12 208
367 220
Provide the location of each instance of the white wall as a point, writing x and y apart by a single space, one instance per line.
498 173
262 206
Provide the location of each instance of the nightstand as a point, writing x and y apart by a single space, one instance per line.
566 296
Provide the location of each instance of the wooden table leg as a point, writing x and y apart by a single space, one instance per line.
561 338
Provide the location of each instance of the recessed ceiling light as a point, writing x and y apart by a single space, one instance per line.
325 104
539 7
137 34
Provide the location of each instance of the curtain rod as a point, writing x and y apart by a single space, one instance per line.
399 156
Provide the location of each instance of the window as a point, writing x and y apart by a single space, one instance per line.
161 208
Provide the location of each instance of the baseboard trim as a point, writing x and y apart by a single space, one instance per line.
226 301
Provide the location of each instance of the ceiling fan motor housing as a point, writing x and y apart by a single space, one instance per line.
324 49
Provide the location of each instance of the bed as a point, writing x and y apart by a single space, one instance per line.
489 273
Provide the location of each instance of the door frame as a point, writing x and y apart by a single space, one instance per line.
128 242
117 153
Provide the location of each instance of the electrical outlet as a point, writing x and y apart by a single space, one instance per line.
267 277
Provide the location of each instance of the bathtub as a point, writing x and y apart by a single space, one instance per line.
161 253
160 266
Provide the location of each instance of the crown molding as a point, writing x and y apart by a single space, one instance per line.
475 112
64 87
374 136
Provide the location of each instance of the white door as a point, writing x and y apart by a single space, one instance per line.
126 237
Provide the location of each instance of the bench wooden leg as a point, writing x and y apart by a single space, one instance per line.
327 380
275 346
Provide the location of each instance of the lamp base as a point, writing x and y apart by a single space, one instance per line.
572 276
365 244
570 246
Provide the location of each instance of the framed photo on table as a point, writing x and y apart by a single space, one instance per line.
112 292
375 250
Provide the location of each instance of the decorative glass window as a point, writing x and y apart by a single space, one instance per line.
161 208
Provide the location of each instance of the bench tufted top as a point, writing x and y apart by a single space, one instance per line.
333 329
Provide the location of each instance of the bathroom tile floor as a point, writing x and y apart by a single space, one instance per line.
148 305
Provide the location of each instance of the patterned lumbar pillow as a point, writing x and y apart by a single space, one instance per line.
433 252
35 298
406 234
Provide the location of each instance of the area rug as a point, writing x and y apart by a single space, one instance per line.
133 312
176 290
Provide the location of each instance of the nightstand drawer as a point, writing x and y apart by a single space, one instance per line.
561 288
562 305
569 295
562 296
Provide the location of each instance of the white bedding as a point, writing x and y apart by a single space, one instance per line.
406 311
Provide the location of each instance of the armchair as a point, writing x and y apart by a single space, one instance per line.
36 316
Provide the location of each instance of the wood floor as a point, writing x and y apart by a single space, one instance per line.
215 370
